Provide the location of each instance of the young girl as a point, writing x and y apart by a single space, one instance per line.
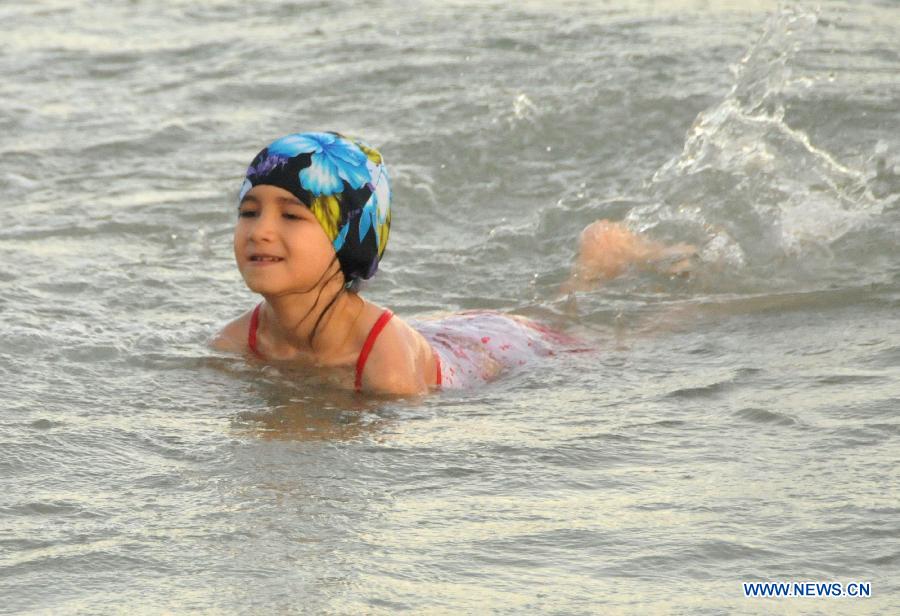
313 221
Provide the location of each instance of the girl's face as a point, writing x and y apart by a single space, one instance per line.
279 245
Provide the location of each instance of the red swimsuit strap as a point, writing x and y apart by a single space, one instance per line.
367 347
363 355
251 335
437 361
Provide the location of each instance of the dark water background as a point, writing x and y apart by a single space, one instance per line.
739 425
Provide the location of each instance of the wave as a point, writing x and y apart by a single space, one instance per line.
754 191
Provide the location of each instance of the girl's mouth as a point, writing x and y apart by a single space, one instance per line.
264 259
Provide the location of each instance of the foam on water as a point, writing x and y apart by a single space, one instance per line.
750 189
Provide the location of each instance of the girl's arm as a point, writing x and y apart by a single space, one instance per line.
608 249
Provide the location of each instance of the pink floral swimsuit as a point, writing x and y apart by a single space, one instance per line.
475 346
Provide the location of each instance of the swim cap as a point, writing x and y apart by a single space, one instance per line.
344 182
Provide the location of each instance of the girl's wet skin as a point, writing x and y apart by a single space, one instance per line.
607 249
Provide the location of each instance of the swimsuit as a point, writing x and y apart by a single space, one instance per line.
470 347
475 346
363 354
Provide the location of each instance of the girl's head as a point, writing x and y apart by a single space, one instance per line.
337 183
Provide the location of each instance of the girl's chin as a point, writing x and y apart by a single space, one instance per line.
270 287
263 287
271 281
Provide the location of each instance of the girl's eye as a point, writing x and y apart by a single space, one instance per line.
246 213
291 216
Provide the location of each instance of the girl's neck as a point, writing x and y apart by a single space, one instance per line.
290 320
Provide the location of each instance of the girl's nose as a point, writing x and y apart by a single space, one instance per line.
263 228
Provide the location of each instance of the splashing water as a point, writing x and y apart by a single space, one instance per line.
748 187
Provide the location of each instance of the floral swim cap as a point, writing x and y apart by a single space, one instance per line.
344 182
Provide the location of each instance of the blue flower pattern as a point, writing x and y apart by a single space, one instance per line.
333 159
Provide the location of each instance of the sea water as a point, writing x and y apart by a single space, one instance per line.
739 424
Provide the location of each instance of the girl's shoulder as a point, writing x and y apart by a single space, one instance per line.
232 338
399 360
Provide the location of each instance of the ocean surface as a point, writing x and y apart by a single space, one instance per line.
739 424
